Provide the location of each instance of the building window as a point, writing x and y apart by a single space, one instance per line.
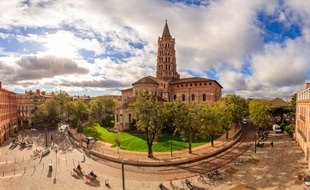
210 83
193 97
205 84
174 97
204 97
129 116
177 86
195 84
190 84
183 97
200 84
186 85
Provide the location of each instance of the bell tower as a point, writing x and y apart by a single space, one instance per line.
166 62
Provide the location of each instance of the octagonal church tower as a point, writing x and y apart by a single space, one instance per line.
166 62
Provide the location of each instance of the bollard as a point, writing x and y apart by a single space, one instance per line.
24 170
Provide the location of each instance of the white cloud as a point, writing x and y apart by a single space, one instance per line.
224 36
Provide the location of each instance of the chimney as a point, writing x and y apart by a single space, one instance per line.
307 85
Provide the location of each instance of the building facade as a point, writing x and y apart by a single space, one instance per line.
167 85
27 104
8 114
302 123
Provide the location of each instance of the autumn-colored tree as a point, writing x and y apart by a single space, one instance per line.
237 108
259 111
187 121
49 110
149 117
62 98
213 120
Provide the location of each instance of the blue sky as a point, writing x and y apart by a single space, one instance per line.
255 49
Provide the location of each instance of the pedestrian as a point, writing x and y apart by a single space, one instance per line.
271 144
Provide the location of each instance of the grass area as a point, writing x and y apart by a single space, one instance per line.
138 142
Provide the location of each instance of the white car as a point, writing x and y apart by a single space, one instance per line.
89 140
276 128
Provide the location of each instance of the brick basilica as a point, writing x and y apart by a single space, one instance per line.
167 85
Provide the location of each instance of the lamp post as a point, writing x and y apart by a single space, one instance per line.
45 137
123 176
171 138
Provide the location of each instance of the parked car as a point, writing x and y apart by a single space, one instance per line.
89 140
276 128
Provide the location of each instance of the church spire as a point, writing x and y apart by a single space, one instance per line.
166 32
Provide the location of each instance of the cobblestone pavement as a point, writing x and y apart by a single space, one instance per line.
275 167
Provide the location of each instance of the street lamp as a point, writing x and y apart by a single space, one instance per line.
123 176
45 137
171 138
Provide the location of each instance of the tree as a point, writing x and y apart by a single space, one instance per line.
76 110
237 107
62 98
280 111
49 110
187 121
97 107
293 107
213 121
149 117
102 105
259 111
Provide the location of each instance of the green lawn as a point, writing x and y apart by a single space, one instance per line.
137 142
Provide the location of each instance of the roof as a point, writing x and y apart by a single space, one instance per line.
145 80
194 79
278 102
166 32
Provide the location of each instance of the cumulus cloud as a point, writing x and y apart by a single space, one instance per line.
34 68
108 45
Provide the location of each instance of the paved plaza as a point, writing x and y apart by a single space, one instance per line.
278 167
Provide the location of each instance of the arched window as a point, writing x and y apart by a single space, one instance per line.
204 97
183 97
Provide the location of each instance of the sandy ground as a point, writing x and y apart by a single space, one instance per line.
282 166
